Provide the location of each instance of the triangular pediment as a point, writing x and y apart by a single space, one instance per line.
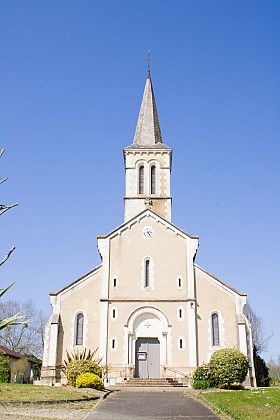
141 216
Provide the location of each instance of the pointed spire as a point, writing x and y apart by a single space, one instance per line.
148 130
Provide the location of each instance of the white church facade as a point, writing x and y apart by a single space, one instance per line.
148 308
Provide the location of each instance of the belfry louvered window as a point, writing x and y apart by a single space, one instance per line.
79 329
153 179
215 330
141 180
147 273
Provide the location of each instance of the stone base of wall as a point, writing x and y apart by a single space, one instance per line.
119 373
251 380
51 375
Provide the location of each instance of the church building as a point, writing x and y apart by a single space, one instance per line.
151 311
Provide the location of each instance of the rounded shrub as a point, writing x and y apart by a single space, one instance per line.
89 380
77 367
226 367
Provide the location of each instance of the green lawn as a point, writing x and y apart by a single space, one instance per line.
16 392
256 404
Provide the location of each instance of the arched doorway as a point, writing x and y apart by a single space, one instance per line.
147 341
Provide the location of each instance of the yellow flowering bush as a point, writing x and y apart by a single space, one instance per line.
89 380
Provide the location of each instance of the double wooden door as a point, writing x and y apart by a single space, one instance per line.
147 358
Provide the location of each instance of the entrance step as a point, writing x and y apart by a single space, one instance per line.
155 382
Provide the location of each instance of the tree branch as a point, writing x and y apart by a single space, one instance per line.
259 333
1 153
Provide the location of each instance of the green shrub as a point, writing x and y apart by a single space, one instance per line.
201 373
201 384
77 367
89 380
201 377
274 382
226 367
5 370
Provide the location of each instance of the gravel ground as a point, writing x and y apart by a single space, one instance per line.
77 411
31 412
16 413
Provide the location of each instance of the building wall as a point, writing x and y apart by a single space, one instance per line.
119 286
213 297
177 328
82 297
167 253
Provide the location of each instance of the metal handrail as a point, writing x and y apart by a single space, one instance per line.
175 371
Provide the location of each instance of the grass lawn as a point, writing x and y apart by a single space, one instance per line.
256 404
23 392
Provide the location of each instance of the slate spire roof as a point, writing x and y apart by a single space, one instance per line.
148 130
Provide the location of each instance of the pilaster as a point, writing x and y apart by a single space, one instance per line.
49 366
192 245
104 250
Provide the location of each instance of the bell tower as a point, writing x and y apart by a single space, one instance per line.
147 163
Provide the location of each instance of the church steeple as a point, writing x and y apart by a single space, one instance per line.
148 130
147 163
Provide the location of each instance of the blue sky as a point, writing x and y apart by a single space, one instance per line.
72 76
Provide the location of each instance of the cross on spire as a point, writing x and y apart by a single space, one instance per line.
149 59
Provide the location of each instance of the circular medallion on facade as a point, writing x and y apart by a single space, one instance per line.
147 232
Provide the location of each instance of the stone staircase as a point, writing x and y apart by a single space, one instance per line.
155 382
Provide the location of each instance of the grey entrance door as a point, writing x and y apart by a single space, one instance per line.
147 358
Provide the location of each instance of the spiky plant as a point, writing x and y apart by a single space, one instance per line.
14 320
83 355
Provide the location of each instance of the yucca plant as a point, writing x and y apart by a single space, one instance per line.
77 363
83 355
14 320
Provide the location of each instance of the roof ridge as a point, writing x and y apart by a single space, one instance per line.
77 280
219 280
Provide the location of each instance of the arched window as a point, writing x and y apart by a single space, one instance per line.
141 180
215 330
79 329
153 179
147 273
